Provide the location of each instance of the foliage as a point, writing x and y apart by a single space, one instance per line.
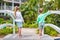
7 30
53 19
2 21
48 30
29 11
33 25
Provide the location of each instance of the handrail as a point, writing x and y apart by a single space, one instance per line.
12 16
53 26
4 25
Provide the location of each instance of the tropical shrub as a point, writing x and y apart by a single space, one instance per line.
50 31
29 11
7 30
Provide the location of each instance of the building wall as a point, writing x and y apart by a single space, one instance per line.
10 4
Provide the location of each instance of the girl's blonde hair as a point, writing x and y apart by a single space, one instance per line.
16 8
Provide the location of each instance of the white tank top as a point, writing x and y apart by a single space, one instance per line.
19 17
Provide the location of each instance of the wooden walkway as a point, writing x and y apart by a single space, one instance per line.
27 34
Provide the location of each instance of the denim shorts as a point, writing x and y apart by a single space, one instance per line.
19 24
41 25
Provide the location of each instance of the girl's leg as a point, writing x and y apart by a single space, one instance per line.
19 31
19 24
40 32
41 29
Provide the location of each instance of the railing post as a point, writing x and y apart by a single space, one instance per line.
13 27
9 13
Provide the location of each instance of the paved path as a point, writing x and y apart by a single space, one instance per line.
27 34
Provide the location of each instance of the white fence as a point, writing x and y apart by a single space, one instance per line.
7 8
12 1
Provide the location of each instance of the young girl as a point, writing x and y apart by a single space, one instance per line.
18 19
41 20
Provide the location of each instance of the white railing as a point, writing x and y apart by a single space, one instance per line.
7 8
17 0
12 0
9 12
1 7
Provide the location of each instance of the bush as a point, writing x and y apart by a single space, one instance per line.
1 20
26 25
53 19
7 30
33 26
50 31
29 11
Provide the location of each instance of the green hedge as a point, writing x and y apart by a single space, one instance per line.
2 21
7 30
50 31
33 25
